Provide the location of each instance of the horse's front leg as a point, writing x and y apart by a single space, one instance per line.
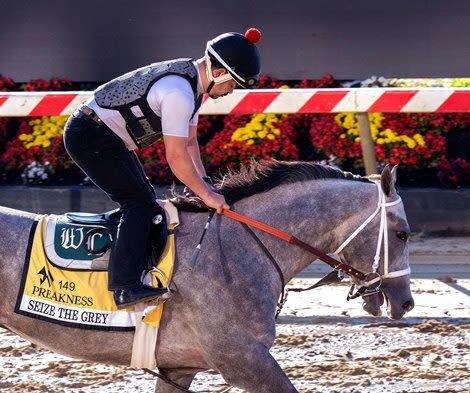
253 368
182 377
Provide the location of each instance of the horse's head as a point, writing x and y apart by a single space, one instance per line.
380 250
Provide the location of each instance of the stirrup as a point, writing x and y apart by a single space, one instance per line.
147 278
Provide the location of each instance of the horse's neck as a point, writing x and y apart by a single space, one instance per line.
321 217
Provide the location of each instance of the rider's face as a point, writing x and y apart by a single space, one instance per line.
222 89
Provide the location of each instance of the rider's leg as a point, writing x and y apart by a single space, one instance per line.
104 157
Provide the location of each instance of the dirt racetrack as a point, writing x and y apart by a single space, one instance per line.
324 343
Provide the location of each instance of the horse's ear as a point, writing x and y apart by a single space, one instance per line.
388 179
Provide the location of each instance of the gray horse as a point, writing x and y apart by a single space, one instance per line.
222 314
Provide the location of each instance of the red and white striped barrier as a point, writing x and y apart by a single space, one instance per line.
269 101
43 103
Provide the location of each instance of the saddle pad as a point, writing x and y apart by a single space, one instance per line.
77 298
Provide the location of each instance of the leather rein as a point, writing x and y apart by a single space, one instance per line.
331 277
337 265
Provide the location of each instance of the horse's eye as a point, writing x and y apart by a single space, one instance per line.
403 235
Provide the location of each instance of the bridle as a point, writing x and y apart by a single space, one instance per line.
370 282
373 280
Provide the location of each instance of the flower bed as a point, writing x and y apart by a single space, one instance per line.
430 149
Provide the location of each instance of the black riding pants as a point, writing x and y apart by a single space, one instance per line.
104 157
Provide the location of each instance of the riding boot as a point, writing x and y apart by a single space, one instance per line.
130 296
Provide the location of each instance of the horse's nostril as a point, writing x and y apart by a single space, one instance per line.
408 305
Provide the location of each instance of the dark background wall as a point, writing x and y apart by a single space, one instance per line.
97 40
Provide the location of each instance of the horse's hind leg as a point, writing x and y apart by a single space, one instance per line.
253 369
182 377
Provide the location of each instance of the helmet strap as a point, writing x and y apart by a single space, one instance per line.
209 88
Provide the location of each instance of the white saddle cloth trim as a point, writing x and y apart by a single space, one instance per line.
145 341
145 336
171 211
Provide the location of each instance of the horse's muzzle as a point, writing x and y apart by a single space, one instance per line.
408 305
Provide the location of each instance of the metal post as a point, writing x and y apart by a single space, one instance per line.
367 144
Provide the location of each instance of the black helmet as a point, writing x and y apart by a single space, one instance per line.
238 54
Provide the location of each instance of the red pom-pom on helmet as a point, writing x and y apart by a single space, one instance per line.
253 35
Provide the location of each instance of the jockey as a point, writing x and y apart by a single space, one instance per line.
160 100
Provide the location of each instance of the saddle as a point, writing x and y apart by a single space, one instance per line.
82 241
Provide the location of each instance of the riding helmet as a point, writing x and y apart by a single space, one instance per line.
238 54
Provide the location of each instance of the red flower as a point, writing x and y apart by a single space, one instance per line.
6 84
455 172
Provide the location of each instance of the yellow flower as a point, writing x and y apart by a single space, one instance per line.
353 131
380 141
348 121
260 126
419 139
44 130
411 144
257 127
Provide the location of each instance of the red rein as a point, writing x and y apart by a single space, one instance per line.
293 240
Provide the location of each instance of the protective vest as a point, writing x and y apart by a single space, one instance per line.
128 95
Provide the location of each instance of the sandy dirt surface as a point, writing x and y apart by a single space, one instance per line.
440 245
324 343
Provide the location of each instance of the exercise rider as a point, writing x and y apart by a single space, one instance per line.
133 111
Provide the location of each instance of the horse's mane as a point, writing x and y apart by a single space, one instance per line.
262 176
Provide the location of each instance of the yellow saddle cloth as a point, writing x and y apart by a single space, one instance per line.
79 298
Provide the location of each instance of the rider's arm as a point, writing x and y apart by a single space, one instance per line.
181 164
194 152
